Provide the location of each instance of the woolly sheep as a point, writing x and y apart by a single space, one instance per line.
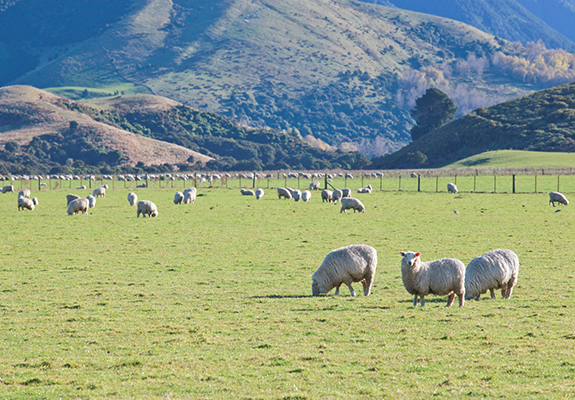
355 263
91 201
25 193
283 192
190 197
497 269
440 277
326 195
99 191
247 192
314 185
146 207
178 198
345 192
25 203
190 189
8 188
366 189
350 203
259 193
296 194
35 200
306 195
336 195
81 187
451 188
71 197
132 198
78 205
556 197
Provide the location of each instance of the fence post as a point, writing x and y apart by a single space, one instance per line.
325 183
474 182
455 183
513 183
399 183
255 179
436 183
419 183
494 183
535 183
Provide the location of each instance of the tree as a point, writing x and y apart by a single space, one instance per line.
432 110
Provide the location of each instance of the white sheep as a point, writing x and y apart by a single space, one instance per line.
350 203
91 201
355 263
25 203
178 198
283 192
100 191
8 189
146 207
190 197
190 189
366 189
345 192
556 197
315 185
132 198
247 192
35 200
259 193
440 277
296 195
451 188
336 195
306 195
25 193
326 195
71 197
497 269
78 205
81 187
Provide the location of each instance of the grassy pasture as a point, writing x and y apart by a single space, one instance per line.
212 300
503 159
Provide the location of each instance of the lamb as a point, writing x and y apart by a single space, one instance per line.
296 194
25 193
556 197
345 192
132 198
336 195
190 197
326 195
25 203
306 195
355 263
314 185
451 188
71 197
78 205
259 193
440 277
497 269
350 203
178 198
247 192
8 189
146 207
91 201
99 191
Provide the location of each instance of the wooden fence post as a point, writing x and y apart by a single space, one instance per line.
419 183
513 183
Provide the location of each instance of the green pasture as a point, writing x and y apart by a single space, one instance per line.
213 300
508 159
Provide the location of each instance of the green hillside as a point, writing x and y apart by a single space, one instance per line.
516 159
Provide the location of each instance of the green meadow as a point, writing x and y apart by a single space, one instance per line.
213 300
509 159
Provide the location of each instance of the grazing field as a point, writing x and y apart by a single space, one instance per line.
213 300
504 159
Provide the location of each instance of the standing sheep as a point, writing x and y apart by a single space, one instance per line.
8 189
190 197
355 263
440 277
283 192
178 198
132 198
336 195
497 269
91 201
259 193
78 205
314 185
25 193
296 194
99 191
146 207
326 195
306 195
345 192
451 188
25 203
556 197
350 203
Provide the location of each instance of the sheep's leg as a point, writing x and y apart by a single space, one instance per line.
351 289
493 293
450 299
461 299
415 301
367 282
422 300
337 290
477 298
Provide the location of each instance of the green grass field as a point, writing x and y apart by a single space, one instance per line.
213 300
510 159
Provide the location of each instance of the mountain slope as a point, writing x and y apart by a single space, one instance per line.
558 14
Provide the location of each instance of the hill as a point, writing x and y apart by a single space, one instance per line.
516 159
542 121
342 71
559 14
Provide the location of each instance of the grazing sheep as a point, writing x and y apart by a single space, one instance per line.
350 203
345 192
141 185
283 192
259 193
25 203
25 193
355 263
497 269
8 188
35 200
306 195
99 191
296 194
132 198
81 187
190 197
178 198
336 195
440 277
78 205
91 201
556 197
247 192
146 207
190 189
451 188
314 185
326 195
71 197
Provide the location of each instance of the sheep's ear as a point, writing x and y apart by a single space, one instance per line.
417 254
402 253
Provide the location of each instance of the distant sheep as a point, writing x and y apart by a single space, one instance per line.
440 277
306 195
132 198
25 203
71 197
336 195
99 191
556 197
283 192
190 197
25 193
350 203
314 185
247 192
296 195
146 207
497 269
8 189
178 198
91 201
366 189
326 195
259 193
81 187
141 185
78 206
451 188
355 263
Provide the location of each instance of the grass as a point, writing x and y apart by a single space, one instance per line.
212 300
80 93
514 159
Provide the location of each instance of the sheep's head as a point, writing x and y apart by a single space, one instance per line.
315 289
409 257
154 213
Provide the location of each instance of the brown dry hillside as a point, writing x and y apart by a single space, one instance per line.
26 112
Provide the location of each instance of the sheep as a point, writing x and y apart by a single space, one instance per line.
190 189
497 269
247 192
336 195
99 191
81 187
345 192
25 203
190 197
365 189
306 195
355 263
350 203
78 205
315 185
91 201
440 277
296 194
283 192
178 198
147 207
451 188
35 200
259 193
556 197
8 189
326 195
25 193
132 198
141 185
71 197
